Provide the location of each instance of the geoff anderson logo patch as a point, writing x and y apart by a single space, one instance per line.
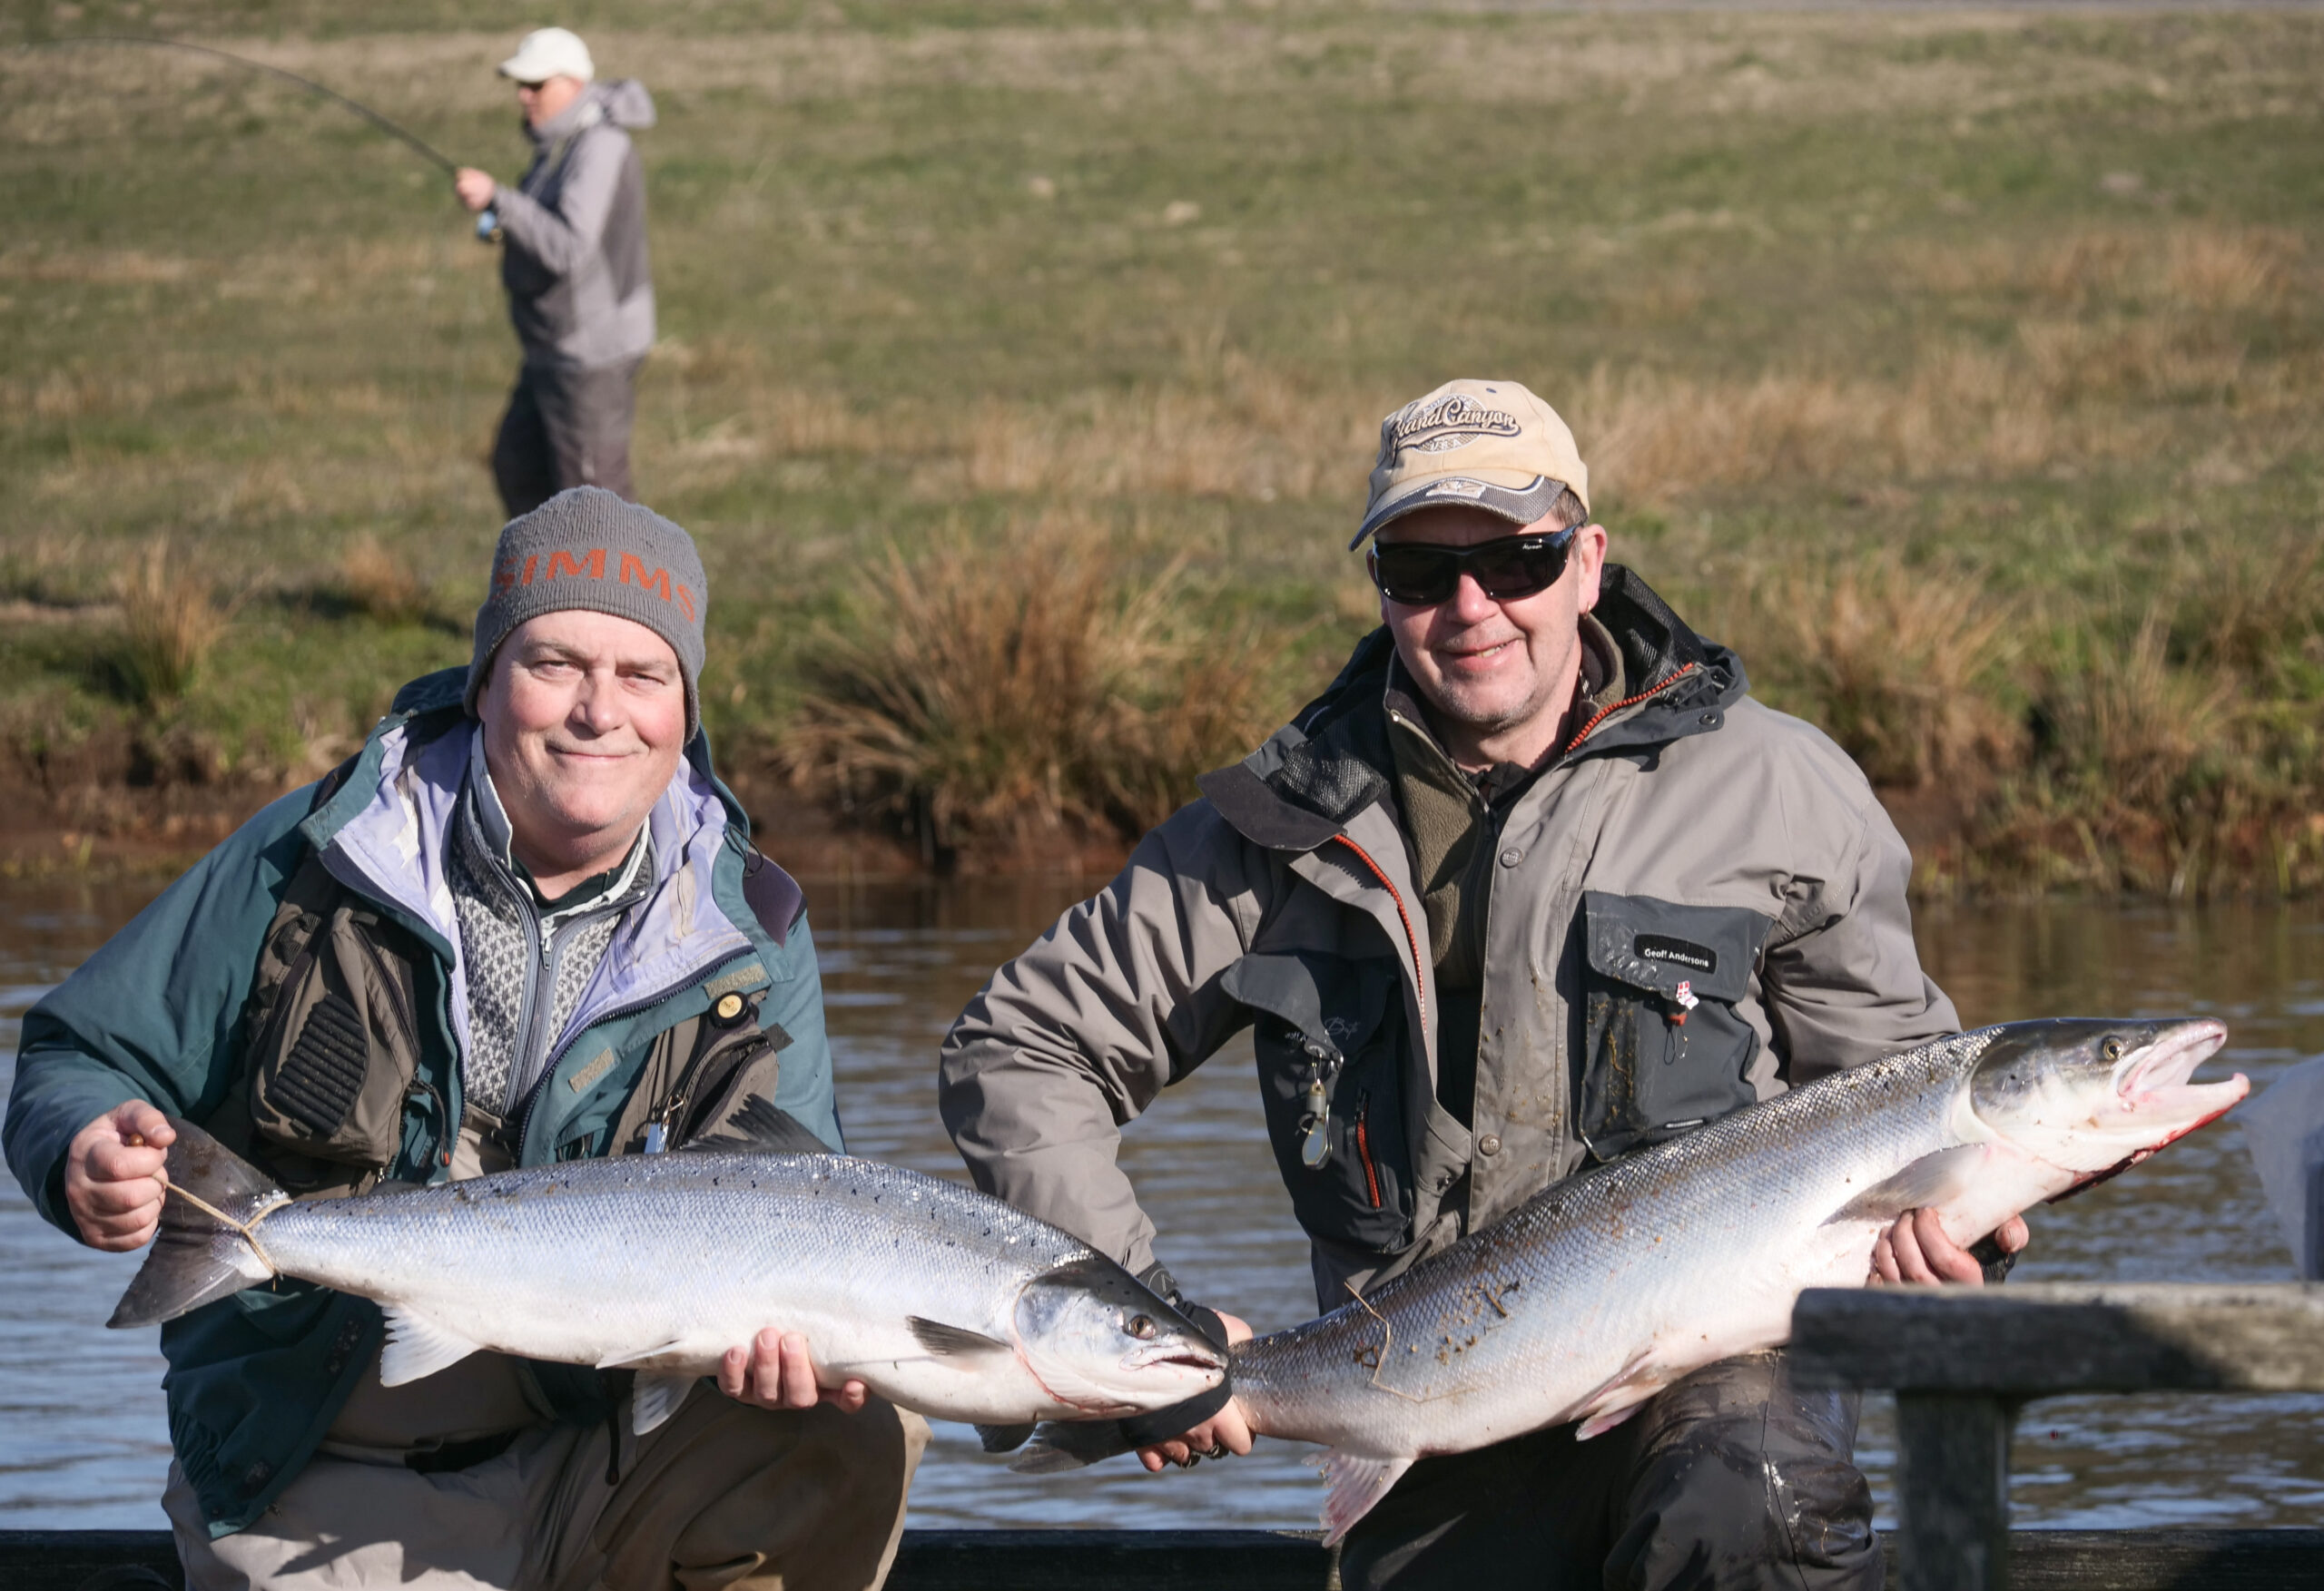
1458 486
1683 952
1441 426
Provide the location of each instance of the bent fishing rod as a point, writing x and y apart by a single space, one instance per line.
487 222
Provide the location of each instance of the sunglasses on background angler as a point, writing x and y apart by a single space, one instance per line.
1421 574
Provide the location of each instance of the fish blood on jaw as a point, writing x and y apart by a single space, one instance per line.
1967 1126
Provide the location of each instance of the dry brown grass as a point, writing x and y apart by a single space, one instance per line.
380 584
169 625
1899 663
1010 696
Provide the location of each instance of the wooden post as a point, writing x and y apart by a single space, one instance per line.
1953 1490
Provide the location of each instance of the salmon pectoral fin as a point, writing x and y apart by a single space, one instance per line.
1004 1438
1356 1483
655 1397
945 1341
417 1347
1623 1395
1606 1419
1924 1184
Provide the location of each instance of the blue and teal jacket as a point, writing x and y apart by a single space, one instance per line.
255 1379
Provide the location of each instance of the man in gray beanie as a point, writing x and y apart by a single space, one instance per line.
573 950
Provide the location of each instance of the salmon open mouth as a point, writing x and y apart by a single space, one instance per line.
1153 1358
2159 1080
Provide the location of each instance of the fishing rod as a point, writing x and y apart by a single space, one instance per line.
487 222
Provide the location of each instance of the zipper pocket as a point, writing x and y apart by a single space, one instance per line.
1364 1147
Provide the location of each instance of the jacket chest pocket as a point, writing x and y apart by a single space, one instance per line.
1665 1049
336 1050
1330 1037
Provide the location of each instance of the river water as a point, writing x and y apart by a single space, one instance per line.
82 1443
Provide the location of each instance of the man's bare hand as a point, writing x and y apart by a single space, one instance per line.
114 1176
1227 1431
1917 1250
475 188
775 1372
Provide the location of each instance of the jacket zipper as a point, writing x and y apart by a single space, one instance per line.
1603 712
557 1058
1412 940
1364 1148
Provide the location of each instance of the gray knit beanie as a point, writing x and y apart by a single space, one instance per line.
587 549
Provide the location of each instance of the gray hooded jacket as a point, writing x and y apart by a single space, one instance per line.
1696 905
575 263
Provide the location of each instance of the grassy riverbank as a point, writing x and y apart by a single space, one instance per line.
1962 370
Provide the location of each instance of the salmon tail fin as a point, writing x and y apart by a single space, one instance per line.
1059 1445
206 1247
1356 1484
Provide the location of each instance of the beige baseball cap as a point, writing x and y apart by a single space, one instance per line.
1490 444
550 52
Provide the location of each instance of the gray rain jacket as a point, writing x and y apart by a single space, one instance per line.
1689 835
574 258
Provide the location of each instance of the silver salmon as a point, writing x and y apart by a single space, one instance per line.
938 1297
1609 1286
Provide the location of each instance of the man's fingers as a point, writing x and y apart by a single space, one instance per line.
848 1398
1173 1452
122 1163
1946 1260
139 1118
104 1201
1905 1240
799 1389
2013 1234
735 1371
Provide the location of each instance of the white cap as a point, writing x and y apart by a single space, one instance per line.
550 52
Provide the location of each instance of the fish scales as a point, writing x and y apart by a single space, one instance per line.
683 1250
1616 1253
1607 1287
938 1297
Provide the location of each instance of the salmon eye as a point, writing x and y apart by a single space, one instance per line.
1140 1326
2111 1050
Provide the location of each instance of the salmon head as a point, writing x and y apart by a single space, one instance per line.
1100 1343
2092 1097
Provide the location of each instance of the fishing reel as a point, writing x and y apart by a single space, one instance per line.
488 226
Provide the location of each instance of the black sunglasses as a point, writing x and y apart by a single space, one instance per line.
1421 574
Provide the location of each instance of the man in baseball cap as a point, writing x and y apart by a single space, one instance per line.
580 289
573 950
1533 883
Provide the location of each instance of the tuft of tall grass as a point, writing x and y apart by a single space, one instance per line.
169 624
996 700
377 583
1899 666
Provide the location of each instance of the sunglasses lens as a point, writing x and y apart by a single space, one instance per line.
1508 570
1421 576
1415 575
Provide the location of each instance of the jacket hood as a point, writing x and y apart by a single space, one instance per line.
1333 759
623 102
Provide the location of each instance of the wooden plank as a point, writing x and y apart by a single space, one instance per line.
1953 1487
2034 1338
1116 1560
1266 1560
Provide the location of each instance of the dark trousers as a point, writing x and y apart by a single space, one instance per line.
1731 1478
564 427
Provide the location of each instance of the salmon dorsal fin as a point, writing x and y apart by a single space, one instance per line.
1356 1484
1926 1183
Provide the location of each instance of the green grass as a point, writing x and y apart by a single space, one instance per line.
2015 318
